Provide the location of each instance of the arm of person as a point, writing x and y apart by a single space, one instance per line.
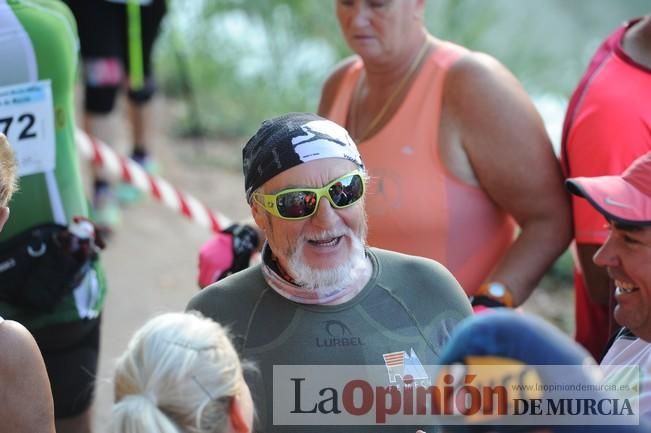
331 85
595 147
26 399
596 277
510 154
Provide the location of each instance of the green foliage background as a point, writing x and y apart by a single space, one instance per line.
232 63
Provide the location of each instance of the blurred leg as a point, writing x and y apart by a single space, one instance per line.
71 354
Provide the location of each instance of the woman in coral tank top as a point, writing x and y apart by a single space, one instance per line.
457 154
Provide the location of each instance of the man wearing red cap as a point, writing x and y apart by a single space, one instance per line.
513 339
607 126
625 201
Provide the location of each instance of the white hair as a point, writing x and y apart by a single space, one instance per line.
179 374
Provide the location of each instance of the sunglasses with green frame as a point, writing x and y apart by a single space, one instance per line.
300 203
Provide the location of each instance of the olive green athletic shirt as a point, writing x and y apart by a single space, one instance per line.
409 303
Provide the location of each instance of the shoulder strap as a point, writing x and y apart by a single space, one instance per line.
341 102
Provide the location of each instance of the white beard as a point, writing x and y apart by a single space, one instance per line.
323 281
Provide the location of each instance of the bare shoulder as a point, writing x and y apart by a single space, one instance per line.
26 403
492 115
332 83
18 345
503 136
482 79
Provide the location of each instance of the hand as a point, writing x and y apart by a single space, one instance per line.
81 240
245 242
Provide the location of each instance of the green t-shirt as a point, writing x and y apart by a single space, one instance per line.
39 42
410 305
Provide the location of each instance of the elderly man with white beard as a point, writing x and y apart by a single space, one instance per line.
321 296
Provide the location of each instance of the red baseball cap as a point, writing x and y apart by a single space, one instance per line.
624 199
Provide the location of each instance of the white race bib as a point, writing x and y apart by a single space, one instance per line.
27 119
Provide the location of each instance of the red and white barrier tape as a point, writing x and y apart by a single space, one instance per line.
119 167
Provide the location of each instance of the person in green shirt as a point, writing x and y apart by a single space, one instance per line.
50 280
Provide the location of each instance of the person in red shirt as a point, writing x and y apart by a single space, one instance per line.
607 126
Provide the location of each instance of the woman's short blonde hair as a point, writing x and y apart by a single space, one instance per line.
7 171
179 373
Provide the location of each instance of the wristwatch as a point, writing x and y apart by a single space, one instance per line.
493 294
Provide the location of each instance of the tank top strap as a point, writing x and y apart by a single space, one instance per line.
426 96
339 110
435 71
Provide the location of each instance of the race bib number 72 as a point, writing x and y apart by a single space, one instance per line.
27 119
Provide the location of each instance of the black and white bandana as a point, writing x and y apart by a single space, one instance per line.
292 139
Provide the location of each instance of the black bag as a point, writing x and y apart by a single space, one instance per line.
41 265
245 242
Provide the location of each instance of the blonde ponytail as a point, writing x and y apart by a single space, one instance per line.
178 375
138 414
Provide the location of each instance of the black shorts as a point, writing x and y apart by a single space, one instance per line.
71 354
103 36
